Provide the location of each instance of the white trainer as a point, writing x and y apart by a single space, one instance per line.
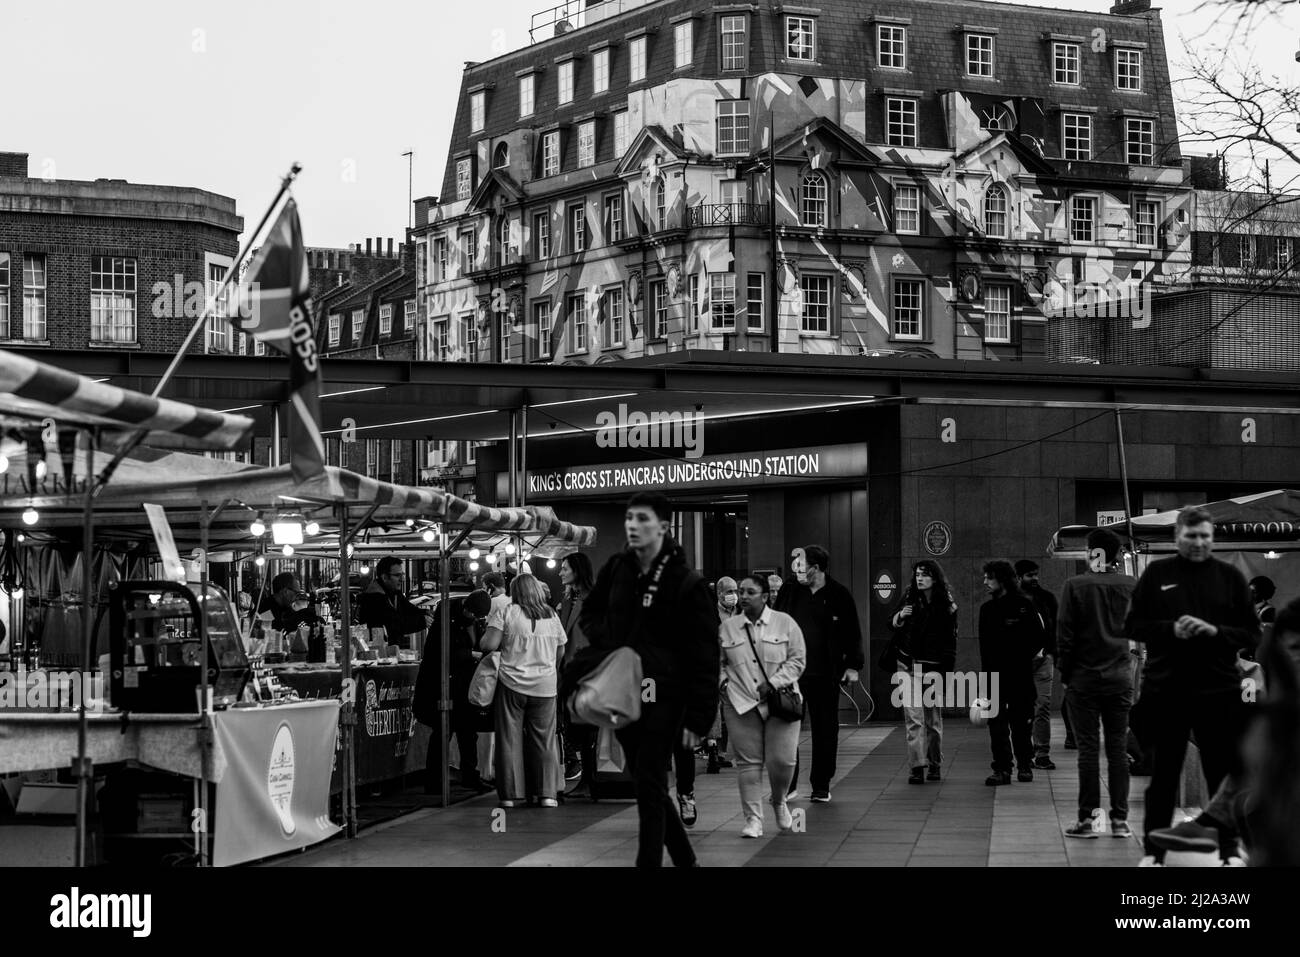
784 819
753 828
1150 861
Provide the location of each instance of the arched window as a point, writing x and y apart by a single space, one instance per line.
813 208
995 212
503 240
501 156
661 205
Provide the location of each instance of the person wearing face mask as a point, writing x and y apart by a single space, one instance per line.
728 605
925 642
1194 614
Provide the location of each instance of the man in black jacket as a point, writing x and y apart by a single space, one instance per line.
648 598
825 612
1097 668
384 604
1044 664
1011 636
1194 613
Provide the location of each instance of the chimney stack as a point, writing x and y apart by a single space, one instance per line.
368 241
1125 8
390 247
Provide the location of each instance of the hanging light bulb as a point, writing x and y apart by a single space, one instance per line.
365 569
21 538
313 528
510 548
41 470
410 523
429 536
4 464
31 516
550 563
259 561
473 566
474 553
258 528
287 550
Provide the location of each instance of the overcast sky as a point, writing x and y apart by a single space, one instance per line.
225 95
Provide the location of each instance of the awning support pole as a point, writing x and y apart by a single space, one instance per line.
1123 477
512 458
347 713
81 765
523 457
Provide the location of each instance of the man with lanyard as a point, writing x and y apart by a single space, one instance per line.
384 604
647 598
828 618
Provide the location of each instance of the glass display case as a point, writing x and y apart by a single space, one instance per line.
155 646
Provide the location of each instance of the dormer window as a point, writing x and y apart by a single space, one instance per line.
801 38
477 111
979 54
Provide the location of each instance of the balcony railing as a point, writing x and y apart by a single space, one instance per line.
729 214
576 14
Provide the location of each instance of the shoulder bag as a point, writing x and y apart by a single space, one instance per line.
784 703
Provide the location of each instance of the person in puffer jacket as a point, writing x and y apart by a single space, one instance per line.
649 599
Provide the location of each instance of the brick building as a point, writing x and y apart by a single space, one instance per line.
924 178
109 264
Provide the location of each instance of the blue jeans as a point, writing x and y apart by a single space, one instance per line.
924 727
1109 706
1044 672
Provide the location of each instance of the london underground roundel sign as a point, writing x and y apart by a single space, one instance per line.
884 588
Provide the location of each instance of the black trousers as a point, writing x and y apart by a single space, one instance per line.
466 741
1011 731
684 765
1218 721
648 747
821 695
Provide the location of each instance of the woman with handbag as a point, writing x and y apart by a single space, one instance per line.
763 655
529 635
925 641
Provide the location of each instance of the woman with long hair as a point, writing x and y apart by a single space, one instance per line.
529 635
925 643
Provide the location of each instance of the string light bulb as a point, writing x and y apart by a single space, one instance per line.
429 536
474 553
259 561
550 563
313 528
258 528
42 470
365 569
410 523
287 551
510 548
473 566
31 516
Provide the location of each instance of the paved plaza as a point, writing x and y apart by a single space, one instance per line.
875 819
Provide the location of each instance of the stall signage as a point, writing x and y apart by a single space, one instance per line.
734 470
1109 518
279 779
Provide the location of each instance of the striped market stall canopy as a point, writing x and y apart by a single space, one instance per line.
31 392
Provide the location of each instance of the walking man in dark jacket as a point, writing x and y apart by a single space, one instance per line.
1194 613
825 612
1097 668
648 598
1044 665
1011 636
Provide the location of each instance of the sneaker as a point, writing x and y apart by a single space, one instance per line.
1188 836
753 828
1070 745
723 762
1119 828
792 796
1233 861
507 804
573 770
821 797
998 777
917 776
550 802
1082 829
686 804
933 774
1151 861
1024 775
784 819
1044 764
714 765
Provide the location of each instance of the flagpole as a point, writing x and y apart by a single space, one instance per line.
225 283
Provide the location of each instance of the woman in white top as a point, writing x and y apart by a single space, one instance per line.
762 649
529 635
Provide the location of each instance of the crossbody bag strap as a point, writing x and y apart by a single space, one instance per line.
758 659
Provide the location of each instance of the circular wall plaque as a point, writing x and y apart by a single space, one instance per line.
937 538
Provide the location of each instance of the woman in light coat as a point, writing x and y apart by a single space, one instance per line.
762 650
